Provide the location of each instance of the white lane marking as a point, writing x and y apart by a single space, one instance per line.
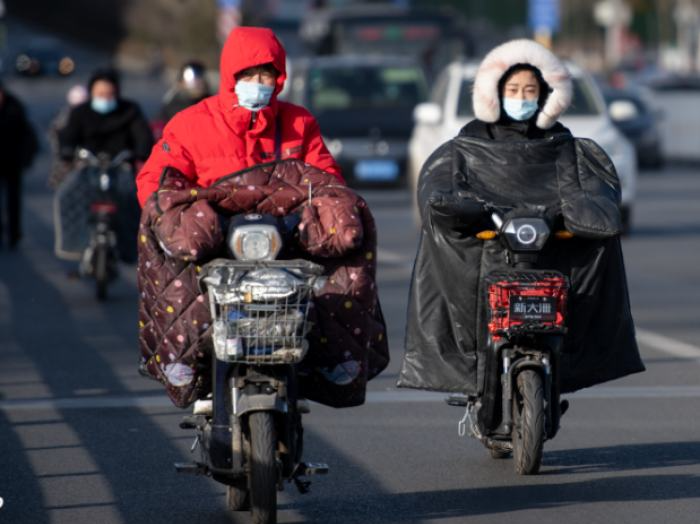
87 403
373 397
668 345
631 392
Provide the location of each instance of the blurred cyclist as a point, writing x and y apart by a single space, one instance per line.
76 95
191 87
106 123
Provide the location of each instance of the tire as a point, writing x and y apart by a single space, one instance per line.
100 272
263 468
528 431
237 499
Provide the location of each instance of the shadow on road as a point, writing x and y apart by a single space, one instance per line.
435 505
621 458
119 468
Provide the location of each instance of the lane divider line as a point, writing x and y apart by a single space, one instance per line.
668 345
373 397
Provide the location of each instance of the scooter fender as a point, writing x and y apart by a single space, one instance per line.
247 403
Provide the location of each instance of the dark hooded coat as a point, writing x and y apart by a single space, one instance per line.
125 128
509 165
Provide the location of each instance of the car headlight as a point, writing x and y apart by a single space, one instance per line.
66 65
526 234
256 242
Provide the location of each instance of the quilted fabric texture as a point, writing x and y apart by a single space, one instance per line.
180 230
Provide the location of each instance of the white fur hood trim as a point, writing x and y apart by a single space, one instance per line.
485 98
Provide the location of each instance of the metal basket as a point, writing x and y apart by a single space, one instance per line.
258 324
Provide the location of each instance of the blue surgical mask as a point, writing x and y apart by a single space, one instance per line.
253 96
103 105
519 109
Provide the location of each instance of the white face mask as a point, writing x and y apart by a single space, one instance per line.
252 95
519 109
103 105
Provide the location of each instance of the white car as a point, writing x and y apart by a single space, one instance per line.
450 108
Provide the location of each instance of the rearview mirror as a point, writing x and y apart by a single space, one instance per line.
427 113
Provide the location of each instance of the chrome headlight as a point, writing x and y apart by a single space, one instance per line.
256 242
526 234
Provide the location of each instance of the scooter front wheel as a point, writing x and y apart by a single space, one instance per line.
263 468
100 271
528 430
237 499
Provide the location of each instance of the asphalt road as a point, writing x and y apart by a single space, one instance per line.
86 440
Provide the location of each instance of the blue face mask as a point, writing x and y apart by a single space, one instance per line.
103 105
253 96
519 109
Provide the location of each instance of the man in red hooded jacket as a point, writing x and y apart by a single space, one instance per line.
244 125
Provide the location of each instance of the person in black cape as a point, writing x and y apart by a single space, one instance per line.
514 152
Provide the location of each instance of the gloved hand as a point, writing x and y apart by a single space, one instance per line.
453 210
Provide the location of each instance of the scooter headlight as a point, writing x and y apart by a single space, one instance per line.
526 234
256 242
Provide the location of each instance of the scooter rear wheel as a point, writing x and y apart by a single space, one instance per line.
263 468
528 430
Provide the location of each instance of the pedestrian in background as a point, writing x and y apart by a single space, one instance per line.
18 147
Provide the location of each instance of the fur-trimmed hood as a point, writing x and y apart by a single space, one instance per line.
487 105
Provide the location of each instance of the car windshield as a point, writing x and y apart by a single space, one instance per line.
364 87
583 102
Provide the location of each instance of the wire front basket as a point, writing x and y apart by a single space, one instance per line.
260 316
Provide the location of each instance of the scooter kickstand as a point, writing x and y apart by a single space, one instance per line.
307 468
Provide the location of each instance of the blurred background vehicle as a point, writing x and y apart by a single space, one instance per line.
450 108
639 122
364 105
44 61
678 97
433 36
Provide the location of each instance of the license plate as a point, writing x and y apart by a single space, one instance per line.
376 170
533 308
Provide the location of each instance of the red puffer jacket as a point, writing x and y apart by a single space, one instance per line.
216 137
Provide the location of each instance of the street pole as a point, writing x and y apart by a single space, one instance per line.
614 16
543 19
687 19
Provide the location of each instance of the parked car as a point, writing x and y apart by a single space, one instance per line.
450 108
633 116
36 62
678 96
364 105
